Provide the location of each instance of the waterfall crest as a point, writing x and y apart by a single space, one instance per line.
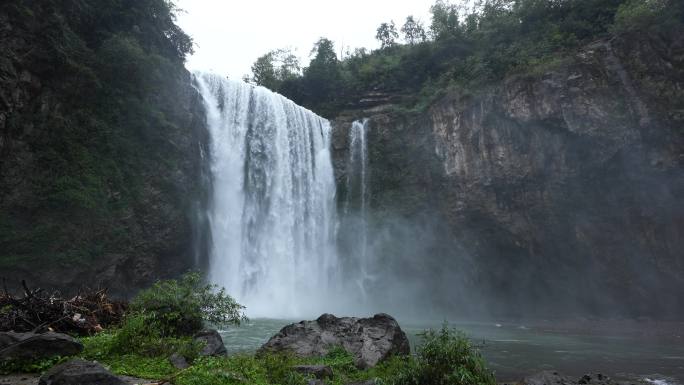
273 213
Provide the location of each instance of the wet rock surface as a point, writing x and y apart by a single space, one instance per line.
178 361
554 378
369 340
318 371
32 379
79 372
567 176
33 346
213 343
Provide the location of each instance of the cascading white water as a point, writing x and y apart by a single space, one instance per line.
355 204
273 212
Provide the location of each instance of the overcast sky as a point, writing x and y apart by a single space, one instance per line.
231 34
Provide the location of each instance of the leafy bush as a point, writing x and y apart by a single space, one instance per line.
637 15
163 318
31 366
446 357
139 334
181 307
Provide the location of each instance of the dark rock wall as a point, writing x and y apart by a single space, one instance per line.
557 192
92 194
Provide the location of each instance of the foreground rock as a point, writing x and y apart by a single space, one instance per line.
79 372
33 346
178 361
369 340
546 378
33 379
213 343
318 371
555 378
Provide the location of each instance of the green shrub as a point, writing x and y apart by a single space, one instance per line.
635 15
138 334
445 357
8 367
162 320
181 307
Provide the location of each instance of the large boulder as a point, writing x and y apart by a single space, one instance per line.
213 343
79 372
33 346
369 340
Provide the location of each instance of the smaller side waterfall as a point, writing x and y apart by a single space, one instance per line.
355 207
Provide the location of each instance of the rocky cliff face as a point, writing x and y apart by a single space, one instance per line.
98 181
562 185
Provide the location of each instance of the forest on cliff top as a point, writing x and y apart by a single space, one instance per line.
461 48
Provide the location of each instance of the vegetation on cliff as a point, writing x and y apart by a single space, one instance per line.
95 132
465 49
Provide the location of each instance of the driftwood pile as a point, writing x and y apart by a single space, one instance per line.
37 311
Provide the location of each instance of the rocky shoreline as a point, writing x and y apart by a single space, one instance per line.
370 341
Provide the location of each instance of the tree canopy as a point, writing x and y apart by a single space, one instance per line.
468 49
387 34
413 31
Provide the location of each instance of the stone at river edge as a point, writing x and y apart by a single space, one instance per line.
369 340
79 372
33 346
213 343
554 378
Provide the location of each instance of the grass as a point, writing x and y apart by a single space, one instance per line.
445 357
235 369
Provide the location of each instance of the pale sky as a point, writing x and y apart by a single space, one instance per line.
231 34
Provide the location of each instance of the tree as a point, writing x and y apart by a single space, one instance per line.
275 67
322 78
323 52
413 31
444 19
387 34
287 63
264 72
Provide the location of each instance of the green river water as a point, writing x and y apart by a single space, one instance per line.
646 351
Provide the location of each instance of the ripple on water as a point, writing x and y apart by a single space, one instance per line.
659 381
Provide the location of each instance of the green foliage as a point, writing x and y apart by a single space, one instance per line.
274 68
387 34
9 367
181 307
139 334
413 31
264 72
445 357
470 51
101 348
162 320
111 69
636 15
444 20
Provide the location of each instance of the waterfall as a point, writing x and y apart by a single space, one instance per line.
273 213
356 206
